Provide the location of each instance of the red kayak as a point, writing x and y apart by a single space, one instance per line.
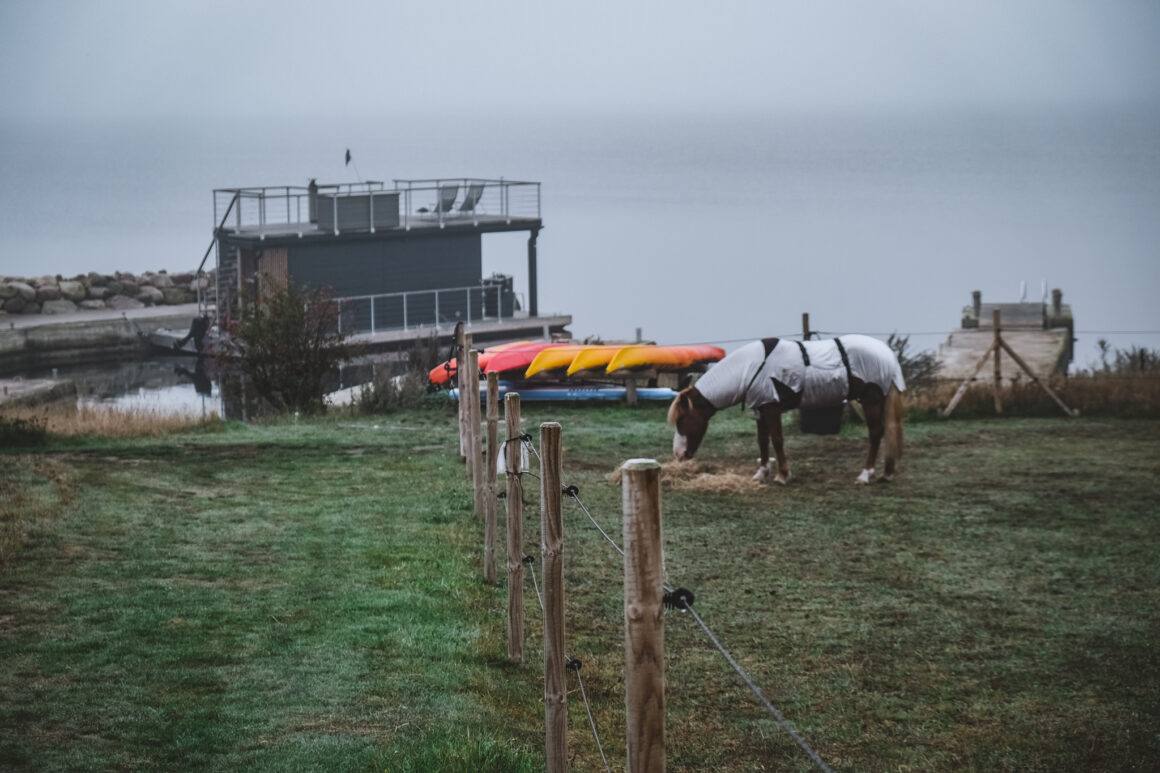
518 357
444 372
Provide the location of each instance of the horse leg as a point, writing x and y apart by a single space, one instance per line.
763 447
769 421
873 405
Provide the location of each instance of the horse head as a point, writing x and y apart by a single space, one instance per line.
689 414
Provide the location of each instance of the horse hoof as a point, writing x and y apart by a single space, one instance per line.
779 480
860 482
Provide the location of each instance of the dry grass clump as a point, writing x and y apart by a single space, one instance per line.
112 421
1123 395
697 475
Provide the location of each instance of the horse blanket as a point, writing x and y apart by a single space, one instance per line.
770 370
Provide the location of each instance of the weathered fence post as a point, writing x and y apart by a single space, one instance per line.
475 448
460 341
644 633
805 326
515 531
998 370
552 561
489 503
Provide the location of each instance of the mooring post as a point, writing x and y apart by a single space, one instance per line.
489 502
805 326
515 531
644 633
552 563
996 345
474 448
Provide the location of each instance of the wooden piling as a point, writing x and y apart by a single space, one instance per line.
805 326
644 635
474 446
489 503
998 370
515 532
552 562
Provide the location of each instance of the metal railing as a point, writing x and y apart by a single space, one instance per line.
425 308
289 210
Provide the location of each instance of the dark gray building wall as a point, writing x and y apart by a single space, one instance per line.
370 266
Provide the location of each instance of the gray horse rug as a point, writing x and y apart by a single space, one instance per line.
772 370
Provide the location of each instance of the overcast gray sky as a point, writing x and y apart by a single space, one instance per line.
134 58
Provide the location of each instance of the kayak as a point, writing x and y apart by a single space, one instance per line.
663 357
444 372
568 393
593 357
517 358
555 358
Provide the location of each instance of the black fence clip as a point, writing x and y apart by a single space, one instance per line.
501 495
529 561
680 599
572 491
572 664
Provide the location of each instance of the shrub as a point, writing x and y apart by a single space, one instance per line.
15 431
285 341
920 370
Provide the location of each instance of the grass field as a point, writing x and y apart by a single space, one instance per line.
308 596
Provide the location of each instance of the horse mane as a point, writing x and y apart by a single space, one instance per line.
674 409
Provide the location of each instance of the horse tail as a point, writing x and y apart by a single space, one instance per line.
894 413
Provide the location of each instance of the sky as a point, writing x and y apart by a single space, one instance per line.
121 59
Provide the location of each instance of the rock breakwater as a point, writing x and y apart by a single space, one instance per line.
93 291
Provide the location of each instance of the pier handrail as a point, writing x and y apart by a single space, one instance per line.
198 274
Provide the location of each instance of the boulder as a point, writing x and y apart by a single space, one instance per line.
174 296
73 291
150 296
199 283
184 278
14 305
98 280
31 307
160 281
92 304
62 306
99 293
48 292
123 303
129 287
114 287
7 291
24 290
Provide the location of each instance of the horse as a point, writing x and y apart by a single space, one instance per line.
770 376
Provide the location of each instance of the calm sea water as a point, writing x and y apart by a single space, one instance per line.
692 227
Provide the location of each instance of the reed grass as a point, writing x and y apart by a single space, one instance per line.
111 421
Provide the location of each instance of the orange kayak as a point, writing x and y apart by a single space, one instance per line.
663 357
555 358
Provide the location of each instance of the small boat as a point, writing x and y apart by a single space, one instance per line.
570 393
593 358
555 358
663 357
517 358
199 340
444 372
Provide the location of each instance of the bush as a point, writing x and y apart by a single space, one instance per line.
285 341
392 392
23 432
920 371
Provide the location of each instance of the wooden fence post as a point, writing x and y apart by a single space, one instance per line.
644 633
459 357
475 448
489 503
998 371
552 561
805 326
515 531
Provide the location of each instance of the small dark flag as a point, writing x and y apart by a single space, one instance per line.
347 157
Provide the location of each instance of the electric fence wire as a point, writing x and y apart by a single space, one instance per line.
574 665
683 606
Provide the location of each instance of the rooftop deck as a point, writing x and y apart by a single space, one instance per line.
372 207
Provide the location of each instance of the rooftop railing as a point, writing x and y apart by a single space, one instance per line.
371 206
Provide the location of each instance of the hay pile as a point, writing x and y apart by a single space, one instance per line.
700 476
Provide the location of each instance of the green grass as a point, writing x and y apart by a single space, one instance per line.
308 596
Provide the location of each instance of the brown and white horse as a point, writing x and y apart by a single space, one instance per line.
772 376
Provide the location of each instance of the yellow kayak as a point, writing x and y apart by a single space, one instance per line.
556 358
663 357
593 357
